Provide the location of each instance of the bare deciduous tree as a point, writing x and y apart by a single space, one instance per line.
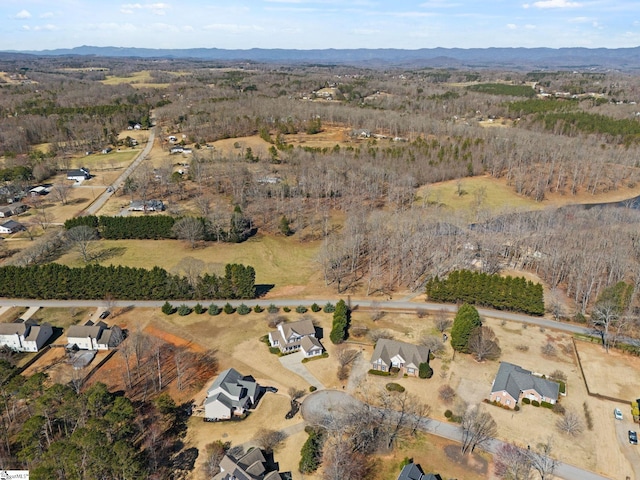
60 191
433 343
570 423
81 238
442 321
478 427
296 393
513 463
446 393
189 229
214 452
541 460
346 356
484 344
269 439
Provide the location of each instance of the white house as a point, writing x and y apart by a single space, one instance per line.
92 336
294 336
11 226
13 209
25 336
79 175
230 394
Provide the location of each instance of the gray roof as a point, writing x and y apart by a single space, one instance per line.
413 471
301 328
514 379
12 224
233 383
251 466
13 328
412 354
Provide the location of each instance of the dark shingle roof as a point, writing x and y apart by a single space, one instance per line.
514 379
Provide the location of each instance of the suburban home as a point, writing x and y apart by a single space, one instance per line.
513 383
79 175
403 356
39 190
12 209
11 226
230 394
148 206
294 336
106 150
253 465
24 336
413 471
92 336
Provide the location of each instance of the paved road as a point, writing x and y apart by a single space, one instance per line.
102 199
318 404
398 305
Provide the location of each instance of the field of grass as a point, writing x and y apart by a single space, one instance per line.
278 260
138 79
475 193
63 317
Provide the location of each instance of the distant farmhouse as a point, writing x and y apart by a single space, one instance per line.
12 209
11 226
92 336
294 336
513 383
23 336
79 175
231 394
253 465
147 206
403 356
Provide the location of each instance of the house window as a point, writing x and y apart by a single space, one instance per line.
498 399
410 370
508 402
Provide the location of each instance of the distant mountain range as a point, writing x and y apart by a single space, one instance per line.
625 59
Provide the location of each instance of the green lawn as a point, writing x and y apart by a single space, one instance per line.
63 317
277 260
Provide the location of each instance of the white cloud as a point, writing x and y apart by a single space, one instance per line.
556 4
366 31
512 26
48 28
528 26
579 20
156 8
22 14
47 15
439 4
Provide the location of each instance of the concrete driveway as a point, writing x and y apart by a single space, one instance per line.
293 362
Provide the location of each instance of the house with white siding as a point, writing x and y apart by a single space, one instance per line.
22 336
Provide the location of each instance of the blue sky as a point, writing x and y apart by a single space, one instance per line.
306 24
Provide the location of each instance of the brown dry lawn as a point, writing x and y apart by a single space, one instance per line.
472 382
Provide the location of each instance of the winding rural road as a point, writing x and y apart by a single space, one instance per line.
99 202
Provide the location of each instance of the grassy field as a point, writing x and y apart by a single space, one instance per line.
63 317
278 261
141 79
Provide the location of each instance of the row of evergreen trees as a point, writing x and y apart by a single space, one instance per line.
155 227
502 293
340 328
55 281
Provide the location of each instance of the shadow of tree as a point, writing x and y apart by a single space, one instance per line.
108 253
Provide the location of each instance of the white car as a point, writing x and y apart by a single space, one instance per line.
618 414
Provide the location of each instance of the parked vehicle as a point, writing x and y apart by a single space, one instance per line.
617 413
633 437
105 314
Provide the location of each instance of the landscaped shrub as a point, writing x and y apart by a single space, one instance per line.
184 309
315 308
340 327
559 409
563 387
243 309
258 309
167 308
228 309
526 401
329 308
312 388
535 403
546 404
311 452
214 309
315 357
394 387
379 372
301 309
425 370
394 370
448 414
275 351
198 308
286 309
272 309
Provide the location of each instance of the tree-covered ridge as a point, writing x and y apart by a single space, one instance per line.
503 89
536 105
55 281
503 293
571 123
